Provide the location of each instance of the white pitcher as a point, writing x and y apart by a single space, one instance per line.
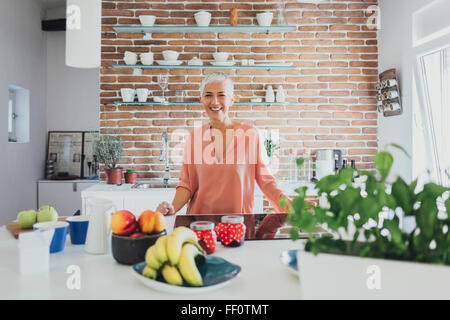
99 231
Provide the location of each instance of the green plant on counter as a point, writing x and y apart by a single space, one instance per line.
130 171
350 205
271 147
108 150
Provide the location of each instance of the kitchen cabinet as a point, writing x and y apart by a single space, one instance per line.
64 196
125 197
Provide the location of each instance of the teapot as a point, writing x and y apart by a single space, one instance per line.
99 231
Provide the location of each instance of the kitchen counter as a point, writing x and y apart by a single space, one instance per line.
262 276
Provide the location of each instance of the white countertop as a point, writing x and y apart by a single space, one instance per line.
262 277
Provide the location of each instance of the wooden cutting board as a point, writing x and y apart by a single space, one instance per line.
15 228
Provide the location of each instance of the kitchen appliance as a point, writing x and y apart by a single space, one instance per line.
99 211
325 162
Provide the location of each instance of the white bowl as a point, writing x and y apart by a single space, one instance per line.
220 56
264 19
147 21
202 18
170 55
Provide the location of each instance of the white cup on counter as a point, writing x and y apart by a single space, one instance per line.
130 58
127 94
142 94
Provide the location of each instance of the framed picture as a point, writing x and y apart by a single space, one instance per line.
90 161
66 149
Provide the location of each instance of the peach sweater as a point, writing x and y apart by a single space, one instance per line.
226 186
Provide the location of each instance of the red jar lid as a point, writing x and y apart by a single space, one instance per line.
232 219
202 225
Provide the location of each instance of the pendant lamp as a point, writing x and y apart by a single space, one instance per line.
83 35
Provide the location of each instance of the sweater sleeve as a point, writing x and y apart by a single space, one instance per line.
264 178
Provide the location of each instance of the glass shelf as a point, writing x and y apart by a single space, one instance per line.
185 66
197 29
136 103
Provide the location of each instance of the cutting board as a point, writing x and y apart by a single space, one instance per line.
15 228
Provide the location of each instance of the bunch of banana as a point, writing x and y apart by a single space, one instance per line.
174 257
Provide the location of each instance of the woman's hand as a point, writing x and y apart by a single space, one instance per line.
166 208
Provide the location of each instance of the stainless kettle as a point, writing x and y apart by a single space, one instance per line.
325 159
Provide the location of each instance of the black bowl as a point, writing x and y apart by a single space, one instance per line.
128 250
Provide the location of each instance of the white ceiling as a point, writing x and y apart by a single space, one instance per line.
51 4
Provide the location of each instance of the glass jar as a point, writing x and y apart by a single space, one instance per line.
206 235
231 231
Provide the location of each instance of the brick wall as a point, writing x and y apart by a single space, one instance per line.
333 85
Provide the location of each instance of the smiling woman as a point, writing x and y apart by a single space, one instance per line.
222 160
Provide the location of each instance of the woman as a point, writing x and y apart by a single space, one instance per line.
222 160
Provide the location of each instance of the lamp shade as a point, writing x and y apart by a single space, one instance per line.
83 33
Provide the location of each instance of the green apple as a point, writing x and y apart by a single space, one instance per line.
47 213
26 218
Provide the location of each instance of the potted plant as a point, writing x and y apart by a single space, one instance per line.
131 176
109 151
369 254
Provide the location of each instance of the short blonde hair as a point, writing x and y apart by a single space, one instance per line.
218 76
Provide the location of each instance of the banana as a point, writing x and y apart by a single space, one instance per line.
149 272
176 240
171 275
160 249
187 265
150 258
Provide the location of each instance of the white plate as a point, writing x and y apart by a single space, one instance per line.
169 63
225 63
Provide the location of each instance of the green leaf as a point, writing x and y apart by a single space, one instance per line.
400 148
383 163
403 196
396 233
426 217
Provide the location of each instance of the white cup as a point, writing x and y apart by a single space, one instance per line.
147 21
264 19
142 94
130 57
220 56
170 55
127 94
202 18
147 58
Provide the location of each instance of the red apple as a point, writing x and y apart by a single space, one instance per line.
123 223
151 221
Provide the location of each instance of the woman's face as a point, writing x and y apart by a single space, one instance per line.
215 100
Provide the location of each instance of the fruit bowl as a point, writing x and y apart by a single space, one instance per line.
216 273
131 250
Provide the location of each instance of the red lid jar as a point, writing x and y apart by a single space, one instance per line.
231 231
206 235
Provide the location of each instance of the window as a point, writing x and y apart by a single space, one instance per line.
435 71
18 115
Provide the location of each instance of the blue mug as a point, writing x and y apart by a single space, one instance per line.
59 238
78 226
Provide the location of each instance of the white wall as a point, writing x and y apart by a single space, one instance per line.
73 95
397 50
22 61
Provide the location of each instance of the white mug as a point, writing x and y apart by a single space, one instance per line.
130 57
127 94
142 94
147 58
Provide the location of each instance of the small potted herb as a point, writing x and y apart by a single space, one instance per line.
131 176
109 151
386 240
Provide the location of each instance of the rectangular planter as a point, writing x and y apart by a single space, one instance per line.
331 276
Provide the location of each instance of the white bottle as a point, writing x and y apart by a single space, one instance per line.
281 97
270 96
